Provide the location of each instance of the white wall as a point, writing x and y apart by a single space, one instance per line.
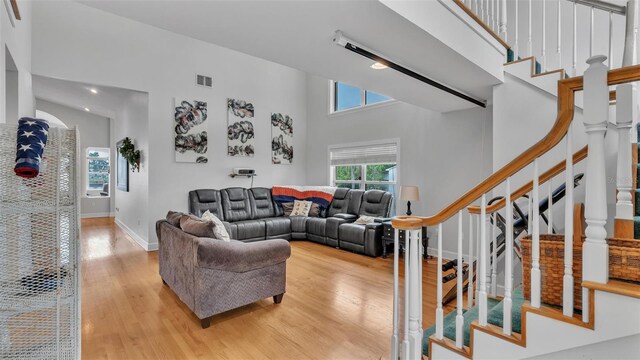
17 40
104 49
94 132
444 154
132 207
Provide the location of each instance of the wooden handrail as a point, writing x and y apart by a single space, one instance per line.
475 17
546 176
526 188
566 105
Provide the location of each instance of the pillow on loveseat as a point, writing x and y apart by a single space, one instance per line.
219 231
195 226
173 217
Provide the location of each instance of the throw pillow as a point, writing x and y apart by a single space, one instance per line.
301 208
315 210
365 220
219 230
287 208
173 217
197 227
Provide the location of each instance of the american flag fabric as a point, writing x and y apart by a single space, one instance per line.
32 139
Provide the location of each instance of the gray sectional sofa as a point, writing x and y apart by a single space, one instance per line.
251 215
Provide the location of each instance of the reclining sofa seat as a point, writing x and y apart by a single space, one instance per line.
317 226
366 238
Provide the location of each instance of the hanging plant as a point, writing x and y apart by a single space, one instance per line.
128 151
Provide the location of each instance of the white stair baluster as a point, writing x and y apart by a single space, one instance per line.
407 298
543 57
574 58
482 275
567 279
470 262
478 259
592 31
610 40
396 298
530 43
550 208
595 263
459 289
529 215
415 277
439 311
626 111
502 26
508 260
494 256
559 34
631 34
516 51
535 240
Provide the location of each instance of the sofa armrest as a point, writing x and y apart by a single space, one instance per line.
237 256
348 217
374 225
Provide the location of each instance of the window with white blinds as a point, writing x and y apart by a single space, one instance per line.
369 154
365 167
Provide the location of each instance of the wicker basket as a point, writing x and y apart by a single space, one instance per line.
624 259
552 268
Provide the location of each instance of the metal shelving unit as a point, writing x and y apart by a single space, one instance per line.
40 251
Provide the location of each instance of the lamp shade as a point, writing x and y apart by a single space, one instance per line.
409 193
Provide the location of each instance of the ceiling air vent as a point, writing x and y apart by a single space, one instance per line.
204 80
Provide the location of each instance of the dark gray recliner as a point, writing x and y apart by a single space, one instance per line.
317 227
264 209
346 213
367 239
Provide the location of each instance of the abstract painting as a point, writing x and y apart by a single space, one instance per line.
281 139
190 131
240 132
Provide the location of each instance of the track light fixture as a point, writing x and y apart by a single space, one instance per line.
351 45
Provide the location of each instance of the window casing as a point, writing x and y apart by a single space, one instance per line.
98 172
348 97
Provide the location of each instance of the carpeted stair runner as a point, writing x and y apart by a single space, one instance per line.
494 317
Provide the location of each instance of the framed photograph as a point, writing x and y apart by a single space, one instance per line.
122 170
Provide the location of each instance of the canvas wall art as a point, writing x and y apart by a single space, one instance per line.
240 133
281 139
190 131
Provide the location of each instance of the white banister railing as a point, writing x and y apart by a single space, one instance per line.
496 15
595 251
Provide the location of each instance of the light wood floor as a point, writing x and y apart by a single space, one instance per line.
338 305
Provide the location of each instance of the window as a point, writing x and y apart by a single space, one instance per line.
98 172
350 97
365 167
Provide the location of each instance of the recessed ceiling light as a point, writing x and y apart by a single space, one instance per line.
378 66
87 109
94 91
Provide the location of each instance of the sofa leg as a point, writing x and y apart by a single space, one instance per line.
164 282
278 298
206 322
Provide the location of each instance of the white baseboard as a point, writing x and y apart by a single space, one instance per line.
137 238
97 215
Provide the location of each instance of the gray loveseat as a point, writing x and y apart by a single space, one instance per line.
251 215
212 276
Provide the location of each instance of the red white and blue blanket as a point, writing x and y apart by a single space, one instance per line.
321 195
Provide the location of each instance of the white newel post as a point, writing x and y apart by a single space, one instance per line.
625 113
414 243
595 263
